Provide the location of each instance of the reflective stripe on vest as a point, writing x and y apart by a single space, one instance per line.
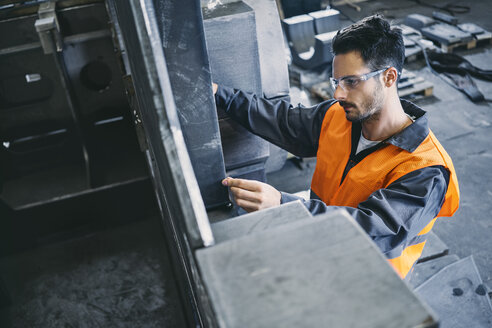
376 171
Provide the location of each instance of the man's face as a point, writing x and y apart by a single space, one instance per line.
365 100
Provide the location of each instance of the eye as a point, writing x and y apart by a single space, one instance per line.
350 82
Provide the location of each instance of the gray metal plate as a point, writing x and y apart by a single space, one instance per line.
423 271
434 247
182 34
458 296
259 221
320 272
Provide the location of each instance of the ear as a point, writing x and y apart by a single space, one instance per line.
390 77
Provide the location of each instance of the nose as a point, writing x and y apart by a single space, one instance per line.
339 93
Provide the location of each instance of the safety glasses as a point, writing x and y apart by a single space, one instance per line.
350 82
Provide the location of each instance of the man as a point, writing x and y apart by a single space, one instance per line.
376 156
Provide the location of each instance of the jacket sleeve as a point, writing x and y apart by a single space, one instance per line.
295 129
395 214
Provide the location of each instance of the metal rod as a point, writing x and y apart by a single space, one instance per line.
72 105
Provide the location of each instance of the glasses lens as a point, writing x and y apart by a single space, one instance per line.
350 82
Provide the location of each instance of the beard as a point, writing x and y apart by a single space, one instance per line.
369 110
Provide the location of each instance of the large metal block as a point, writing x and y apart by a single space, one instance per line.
326 20
300 32
320 272
230 31
270 43
224 44
181 31
273 62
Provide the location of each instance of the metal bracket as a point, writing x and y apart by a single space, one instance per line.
48 28
132 101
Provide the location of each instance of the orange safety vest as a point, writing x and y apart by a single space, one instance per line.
376 171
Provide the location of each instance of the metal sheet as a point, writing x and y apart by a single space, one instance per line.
424 271
458 296
259 221
182 34
320 272
232 45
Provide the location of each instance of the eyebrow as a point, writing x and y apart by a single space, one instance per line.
349 76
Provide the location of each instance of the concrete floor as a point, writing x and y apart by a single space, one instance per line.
121 277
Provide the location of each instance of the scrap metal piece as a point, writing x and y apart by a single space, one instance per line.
446 34
307 49
455 293
321 53
423 271
445 18
471 28
479 33
411 39
418 21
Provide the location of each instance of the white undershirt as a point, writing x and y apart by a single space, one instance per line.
364 143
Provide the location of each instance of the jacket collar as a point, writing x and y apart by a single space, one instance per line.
414 134
408 139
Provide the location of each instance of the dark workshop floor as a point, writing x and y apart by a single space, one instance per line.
121 277
109 278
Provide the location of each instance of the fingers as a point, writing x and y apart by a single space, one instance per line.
251 185
245 194
252 195
247 205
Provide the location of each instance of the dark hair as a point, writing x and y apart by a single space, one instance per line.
379 45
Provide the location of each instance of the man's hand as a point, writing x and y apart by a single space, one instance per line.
214 87
252 195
